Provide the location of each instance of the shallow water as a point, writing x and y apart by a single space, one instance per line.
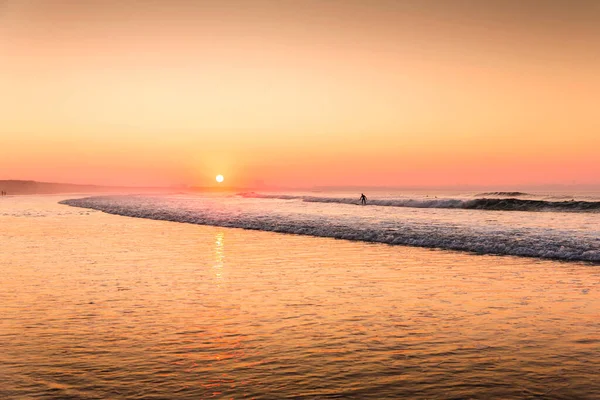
102 306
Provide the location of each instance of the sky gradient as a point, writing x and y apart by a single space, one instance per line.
300 93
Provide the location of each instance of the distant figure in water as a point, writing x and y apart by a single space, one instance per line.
363 199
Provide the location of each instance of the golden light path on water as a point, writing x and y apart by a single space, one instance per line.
103 306
219 255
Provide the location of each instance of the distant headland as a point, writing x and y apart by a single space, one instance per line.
29 187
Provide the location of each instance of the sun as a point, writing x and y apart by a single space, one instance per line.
220 178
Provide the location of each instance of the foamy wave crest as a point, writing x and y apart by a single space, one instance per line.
504 194
493 204
502 240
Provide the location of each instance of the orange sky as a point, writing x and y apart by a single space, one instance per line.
300 93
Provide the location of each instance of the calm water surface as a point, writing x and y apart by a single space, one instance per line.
101 306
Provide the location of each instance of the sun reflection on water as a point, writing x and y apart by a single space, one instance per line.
219 252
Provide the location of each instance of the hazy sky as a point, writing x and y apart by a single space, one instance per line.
300 93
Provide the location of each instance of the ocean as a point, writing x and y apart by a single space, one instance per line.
555 226
415 295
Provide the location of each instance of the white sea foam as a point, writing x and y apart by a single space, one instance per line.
493 238
504 203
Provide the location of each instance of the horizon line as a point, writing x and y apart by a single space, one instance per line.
588 186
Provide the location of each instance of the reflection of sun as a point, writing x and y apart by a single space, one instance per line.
219 255
220 178
219 247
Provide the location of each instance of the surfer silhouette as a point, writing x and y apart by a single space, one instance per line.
363 199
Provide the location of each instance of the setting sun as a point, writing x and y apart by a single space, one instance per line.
219 178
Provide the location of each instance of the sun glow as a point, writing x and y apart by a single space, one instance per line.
220 178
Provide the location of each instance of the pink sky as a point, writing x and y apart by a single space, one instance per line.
300 93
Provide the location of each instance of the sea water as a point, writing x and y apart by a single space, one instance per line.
508 223
96 306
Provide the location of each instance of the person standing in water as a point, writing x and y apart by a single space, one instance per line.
363 199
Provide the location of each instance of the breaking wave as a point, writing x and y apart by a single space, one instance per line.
500 239
510 204
508 194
